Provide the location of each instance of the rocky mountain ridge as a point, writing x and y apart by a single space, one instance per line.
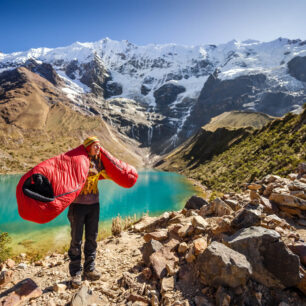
177 88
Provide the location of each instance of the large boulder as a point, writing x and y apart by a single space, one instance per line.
195 203
22 292
221 266
216 207
273 264
246 217
287 200
84 297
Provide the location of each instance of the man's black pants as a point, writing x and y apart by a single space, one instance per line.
80 215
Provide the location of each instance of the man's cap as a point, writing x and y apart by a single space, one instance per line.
90 140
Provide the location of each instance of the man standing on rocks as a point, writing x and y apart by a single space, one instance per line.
84 211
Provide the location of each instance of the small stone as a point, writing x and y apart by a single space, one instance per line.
222 297
5 277
199 223
190 256
183 247
170 266
59 263
266 204
205 290
158 235
292 176
254 186
185 230
138 298
136 253
51 303
269 189
297 185
233 204
219 225
271 178
22 266
10 263
59 288
40 273
172 244
149 248
191 213
258 296
173 229
167 284
255 197
199 245
147 273
154 300
23 255
166 298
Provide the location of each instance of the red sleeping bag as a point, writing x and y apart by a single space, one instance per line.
47 189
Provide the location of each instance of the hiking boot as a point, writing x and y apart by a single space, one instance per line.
92 275
76 281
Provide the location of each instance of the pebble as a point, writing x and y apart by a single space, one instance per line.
22 266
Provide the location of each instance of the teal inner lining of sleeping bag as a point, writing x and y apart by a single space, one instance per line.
38 187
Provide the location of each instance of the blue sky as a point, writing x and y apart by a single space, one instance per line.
26 24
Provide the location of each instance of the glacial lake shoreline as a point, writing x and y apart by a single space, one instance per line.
154 193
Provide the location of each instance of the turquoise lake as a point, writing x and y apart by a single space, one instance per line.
154 192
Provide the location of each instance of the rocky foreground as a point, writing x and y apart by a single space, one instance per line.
240 249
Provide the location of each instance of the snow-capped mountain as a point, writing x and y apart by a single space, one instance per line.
161 94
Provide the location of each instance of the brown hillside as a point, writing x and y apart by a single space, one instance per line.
37 123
